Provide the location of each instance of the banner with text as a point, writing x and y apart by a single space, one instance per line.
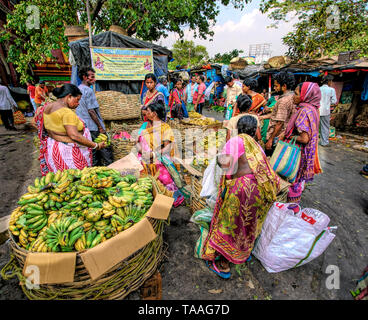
121 63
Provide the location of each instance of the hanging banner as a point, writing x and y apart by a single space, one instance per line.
121 63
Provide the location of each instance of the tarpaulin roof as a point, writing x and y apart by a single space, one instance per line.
82 57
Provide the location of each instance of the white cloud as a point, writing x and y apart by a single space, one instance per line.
251 29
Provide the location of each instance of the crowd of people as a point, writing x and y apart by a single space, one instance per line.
255 123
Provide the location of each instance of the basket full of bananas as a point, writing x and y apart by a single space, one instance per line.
75 211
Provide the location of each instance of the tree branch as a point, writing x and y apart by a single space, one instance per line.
96 10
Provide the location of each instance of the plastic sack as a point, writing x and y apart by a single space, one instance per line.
291 239
202 217
211 179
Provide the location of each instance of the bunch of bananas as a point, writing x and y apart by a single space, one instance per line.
62 234
78 209
103 138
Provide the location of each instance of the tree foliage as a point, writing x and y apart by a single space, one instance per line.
29 45
325 27
186 53
145 19
226 57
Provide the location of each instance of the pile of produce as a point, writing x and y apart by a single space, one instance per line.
75 209
194 115
103 138
208 147
203 121
218 108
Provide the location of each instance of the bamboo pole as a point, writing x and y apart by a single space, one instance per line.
90 34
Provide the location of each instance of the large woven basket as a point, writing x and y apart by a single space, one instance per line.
124 278
121 148
115 105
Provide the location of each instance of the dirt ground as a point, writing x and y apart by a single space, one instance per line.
340 192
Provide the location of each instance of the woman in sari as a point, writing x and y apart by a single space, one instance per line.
249 87
176 102
65 141
246 193
157 142
151 95
304 125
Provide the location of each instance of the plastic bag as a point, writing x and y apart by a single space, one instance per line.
202 217
211 179
290 239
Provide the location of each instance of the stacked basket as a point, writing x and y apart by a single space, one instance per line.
115 105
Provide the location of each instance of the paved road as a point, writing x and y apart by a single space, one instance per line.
340 192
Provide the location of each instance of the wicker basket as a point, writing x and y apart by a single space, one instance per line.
115 105
116 284
121 148
124 278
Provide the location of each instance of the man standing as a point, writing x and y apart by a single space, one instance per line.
31 90
232 93
282 111
328 99
198 96
40 94
89 111
7 106
189 92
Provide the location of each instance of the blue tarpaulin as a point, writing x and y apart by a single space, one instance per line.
313 73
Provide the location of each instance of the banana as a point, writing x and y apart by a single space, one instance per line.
49 177
75 225
57 176
37 182
96 240
107 213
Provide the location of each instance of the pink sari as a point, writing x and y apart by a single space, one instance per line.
306 119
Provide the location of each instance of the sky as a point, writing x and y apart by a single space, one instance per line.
237 29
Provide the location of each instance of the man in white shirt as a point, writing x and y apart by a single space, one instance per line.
328 99
7 106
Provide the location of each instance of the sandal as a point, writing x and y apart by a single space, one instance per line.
223 275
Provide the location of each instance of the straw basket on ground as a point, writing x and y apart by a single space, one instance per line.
124 278
115 105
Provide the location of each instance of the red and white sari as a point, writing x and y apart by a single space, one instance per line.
55 155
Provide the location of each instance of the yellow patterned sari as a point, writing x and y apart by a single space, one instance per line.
242 205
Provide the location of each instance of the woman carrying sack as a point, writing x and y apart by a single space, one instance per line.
303 128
